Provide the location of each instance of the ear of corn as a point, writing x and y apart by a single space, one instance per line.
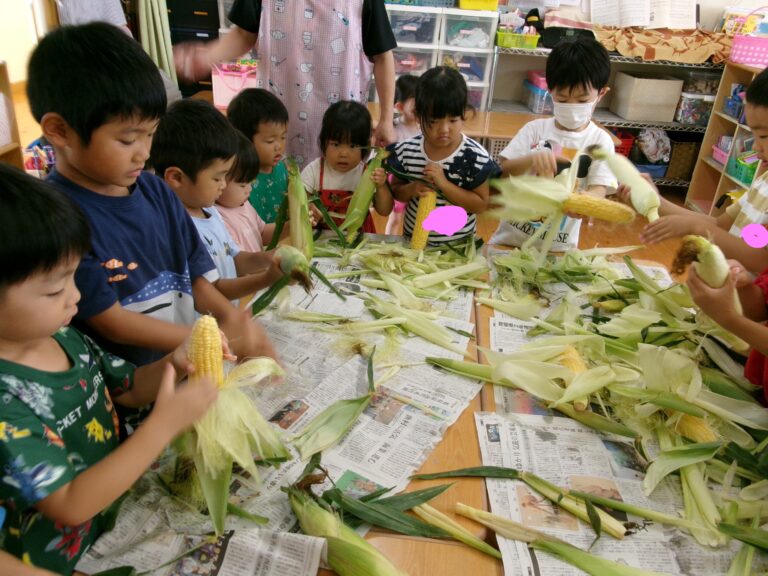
294 263
695 429
232 430
298 212
572 360
600 208
359 204
436 518
419 235
643 196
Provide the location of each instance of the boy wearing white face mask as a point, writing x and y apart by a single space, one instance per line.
577 74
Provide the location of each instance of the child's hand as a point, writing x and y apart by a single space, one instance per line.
180 357
624 192
672 226
742 278
379 176
717 303
315 216
246 336
180 407
543 163
434 172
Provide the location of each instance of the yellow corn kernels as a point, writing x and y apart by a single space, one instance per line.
205 351
599 208
419 235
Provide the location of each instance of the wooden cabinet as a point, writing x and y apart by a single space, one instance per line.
711 179
10 143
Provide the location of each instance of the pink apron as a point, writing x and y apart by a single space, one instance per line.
311 55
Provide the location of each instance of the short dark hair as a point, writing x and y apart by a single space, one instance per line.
246 166
405 87
346 121
440 92
757 93
39 227
92 74
578 62
191 136
253 106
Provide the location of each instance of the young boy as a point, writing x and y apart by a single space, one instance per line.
263 118
577 75
98 98
193 150
752 207
60 453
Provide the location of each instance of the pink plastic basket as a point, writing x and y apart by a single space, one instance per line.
231 79
750 50
719 155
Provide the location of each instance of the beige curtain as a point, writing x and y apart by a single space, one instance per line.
156 34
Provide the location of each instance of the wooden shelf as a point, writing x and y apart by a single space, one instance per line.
10 147
615 57
708 160
11 152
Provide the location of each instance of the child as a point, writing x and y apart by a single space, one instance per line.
98 98
577 75
718 304
193 150
344 135
457 165
61 458
752 207
244 224
406 126
263 118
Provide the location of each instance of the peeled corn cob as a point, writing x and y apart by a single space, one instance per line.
419 235
644 197
205 352
572 360
695 428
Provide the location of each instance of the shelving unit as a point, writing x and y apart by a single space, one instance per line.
10 142
710 179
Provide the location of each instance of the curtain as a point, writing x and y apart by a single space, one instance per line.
156 34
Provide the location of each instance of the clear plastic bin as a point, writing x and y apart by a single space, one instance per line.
700 82
474 29
415 24
694 108
477 95
475 66
414 60
539 101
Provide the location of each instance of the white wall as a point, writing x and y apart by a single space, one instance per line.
17 36
712 10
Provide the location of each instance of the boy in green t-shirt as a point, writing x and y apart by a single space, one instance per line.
263 118
61 460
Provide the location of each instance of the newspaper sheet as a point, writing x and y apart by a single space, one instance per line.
144 539
571 455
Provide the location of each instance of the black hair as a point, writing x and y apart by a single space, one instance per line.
578 62
91 75
191 136
253 106
440 92
757 93
348 122
246 166
39 227
405 87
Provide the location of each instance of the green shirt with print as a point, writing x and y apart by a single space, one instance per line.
268 191
53 426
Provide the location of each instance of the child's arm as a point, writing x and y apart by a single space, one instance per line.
12 566
382 200
473 201
245 335
122 326
596 191
255 270
540 163
176 409
718 304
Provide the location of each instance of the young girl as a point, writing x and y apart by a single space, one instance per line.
406 126
245 225
344 136
61 460
457 165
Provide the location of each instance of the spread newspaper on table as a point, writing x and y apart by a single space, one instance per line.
570 455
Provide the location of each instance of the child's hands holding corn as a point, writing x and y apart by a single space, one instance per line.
543 163
672 226
183 366
717 303
379 176
178 407
315 217
434 172
247 338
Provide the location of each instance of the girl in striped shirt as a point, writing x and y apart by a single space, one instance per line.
457 165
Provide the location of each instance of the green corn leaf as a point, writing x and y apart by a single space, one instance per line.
586 383
596 421
456 530
675 458
266 298
590 563
328 219
280 219
752 536
408 500
215 491
241 513
330 426
646 513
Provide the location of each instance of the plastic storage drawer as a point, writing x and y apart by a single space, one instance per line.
415 24
475 30
413 60
477 95
539 101
474 65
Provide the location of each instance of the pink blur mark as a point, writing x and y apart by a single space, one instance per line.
446 220
755 235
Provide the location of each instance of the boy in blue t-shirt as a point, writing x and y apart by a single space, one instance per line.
61 460
193 150
98 98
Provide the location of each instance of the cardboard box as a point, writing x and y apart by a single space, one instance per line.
645 97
